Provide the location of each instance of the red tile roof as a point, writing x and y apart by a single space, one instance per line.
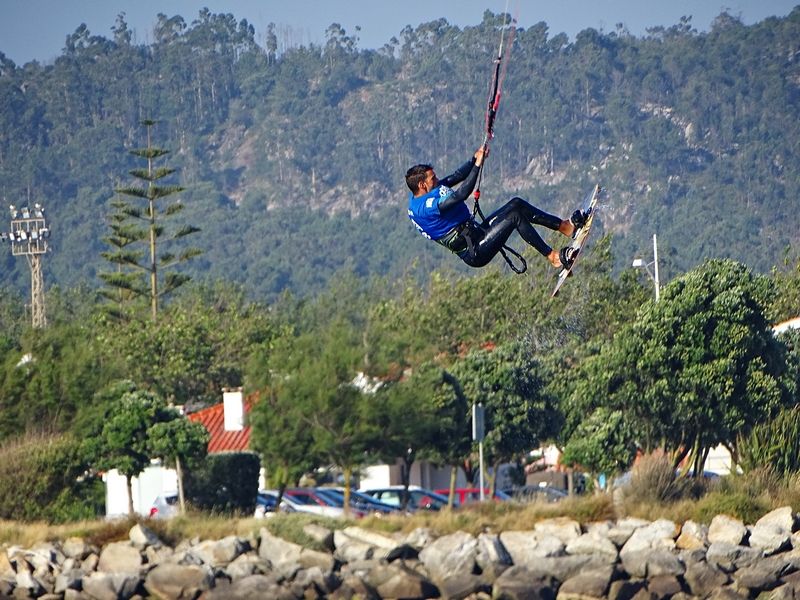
213 418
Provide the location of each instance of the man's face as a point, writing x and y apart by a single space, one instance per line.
431 181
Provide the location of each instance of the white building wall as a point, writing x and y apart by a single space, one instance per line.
152 482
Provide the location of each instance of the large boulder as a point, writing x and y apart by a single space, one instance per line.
120 557
726 530
220 553
178 582
527 547
449 555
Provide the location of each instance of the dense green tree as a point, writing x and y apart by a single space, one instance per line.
696 369
519 413
177 443
124 442
603 444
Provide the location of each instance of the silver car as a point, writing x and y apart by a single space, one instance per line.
165 506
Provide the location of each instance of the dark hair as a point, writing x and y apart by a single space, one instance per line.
415 175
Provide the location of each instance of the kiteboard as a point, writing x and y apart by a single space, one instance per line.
576 246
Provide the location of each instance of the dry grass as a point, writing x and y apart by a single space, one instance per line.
744 497
497 516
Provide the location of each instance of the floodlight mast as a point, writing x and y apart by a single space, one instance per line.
29 238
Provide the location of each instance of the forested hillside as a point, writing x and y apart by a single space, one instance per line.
293 156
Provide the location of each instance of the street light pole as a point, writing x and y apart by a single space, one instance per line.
28 237
638 262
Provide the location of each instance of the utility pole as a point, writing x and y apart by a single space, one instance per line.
640 264
28 237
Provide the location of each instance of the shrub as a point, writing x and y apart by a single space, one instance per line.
226 483
774 444
42 479
653 480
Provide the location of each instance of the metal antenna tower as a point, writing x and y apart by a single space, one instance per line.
28 237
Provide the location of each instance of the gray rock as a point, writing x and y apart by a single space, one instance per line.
395 581
563 528
729 557
348 550
562 568
75 547
219 553
785 592
658 534
664 587
593 543
6 569
155 555
420 538
68 580
120 557
783 518
353 587
110 586
651 563
727 530
89 563
623 529
450 555
528 547
625 589
520 583
770 538
589 584
727 593
320 534
174 582
703 578
314 580
694 536
461 587
26 581
276 550
44 556
370 537
246 565
142 537
756 577
313 558
491 557
247 588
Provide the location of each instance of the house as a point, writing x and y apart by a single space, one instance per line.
226 425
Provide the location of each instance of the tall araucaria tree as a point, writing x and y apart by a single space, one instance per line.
154 213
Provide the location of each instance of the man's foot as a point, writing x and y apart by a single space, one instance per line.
578 220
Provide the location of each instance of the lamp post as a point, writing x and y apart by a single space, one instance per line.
28 237
639 263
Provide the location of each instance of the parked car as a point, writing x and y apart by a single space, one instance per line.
418 498
468 495
537 493
164 506
296 500
360 502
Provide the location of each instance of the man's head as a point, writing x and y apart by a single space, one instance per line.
421 179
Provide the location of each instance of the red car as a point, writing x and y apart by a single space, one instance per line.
468 495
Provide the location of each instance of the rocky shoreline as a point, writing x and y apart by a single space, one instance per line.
558 559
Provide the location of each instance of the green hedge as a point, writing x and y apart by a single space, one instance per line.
42 479
224 483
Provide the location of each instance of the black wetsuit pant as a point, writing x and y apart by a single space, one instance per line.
485 240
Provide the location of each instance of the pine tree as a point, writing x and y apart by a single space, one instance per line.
141 271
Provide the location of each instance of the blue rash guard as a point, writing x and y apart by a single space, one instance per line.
441 210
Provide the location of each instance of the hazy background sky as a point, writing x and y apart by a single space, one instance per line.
37 29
